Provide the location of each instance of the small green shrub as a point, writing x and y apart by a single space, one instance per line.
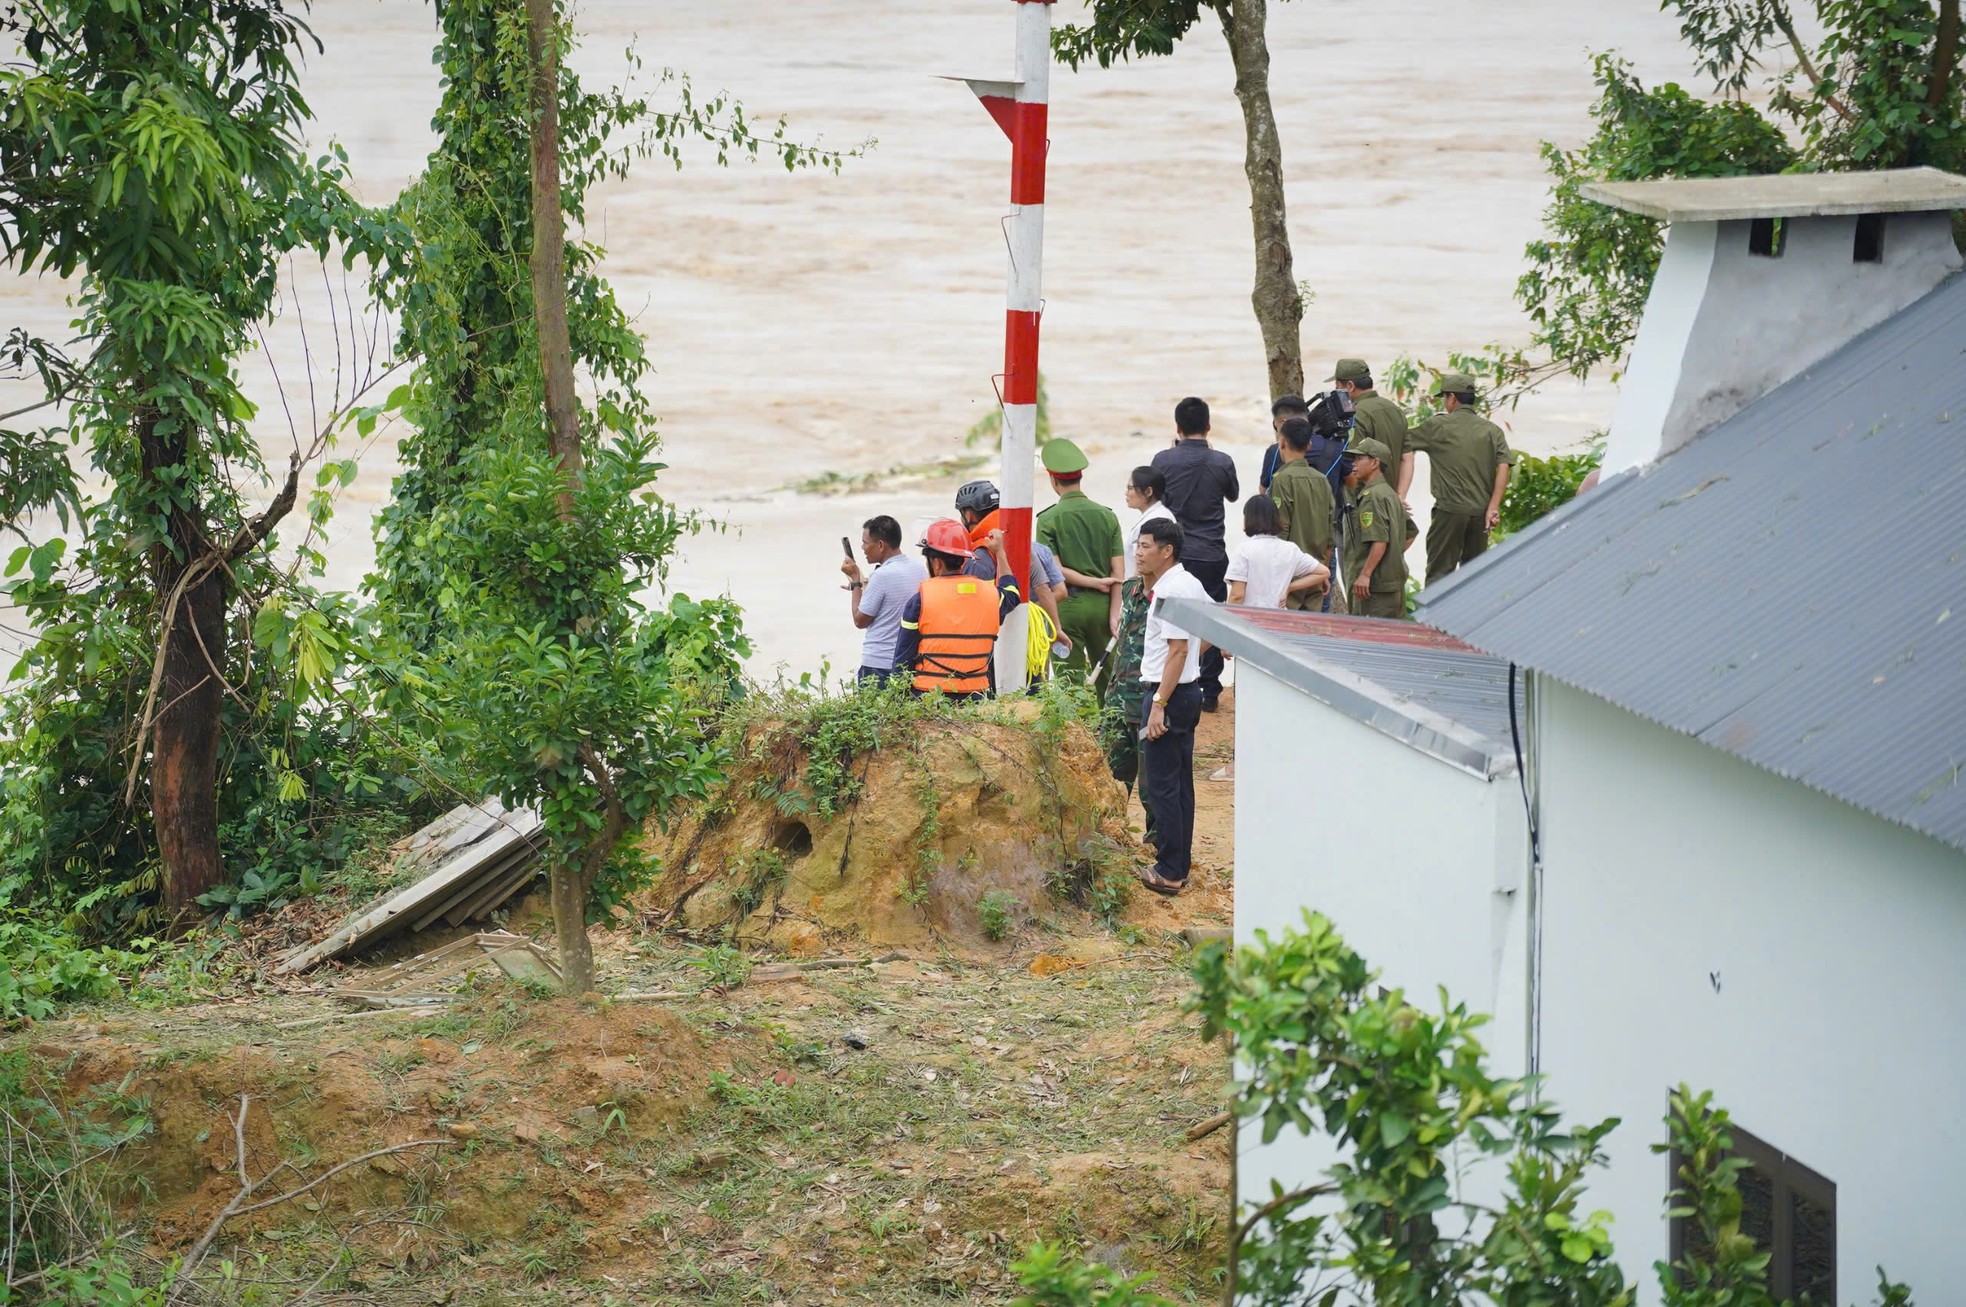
724 966
998 911
1541 485
42 965
1051 1277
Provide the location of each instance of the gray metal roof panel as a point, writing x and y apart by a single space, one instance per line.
1418 685
1789 587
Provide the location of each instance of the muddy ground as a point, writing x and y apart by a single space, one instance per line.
896 1133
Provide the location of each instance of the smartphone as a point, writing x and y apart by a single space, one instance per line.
846 547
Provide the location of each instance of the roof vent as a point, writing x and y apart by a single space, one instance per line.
1762 277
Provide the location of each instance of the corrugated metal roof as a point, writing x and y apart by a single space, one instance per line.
1789 587
1420 686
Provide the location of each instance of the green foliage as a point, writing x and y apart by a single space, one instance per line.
1590 272
833 733
154 152
998 911
1539 485
724 966
61 1210
1050 1277
44 964
1128 28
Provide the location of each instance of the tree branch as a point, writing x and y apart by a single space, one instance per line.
1808 66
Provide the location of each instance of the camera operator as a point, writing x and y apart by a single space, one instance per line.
1380 419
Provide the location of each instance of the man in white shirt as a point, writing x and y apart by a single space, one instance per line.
1170 667
877 600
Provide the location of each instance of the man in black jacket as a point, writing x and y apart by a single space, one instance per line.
1200 482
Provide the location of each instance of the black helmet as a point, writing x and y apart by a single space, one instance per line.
977 497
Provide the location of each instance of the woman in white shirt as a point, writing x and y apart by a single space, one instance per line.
1144 491
1266 567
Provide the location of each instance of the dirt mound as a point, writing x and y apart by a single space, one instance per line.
953 836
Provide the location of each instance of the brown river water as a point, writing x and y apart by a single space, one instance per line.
807 323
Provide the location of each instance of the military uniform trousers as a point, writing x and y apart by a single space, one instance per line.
1086 616
1454 539
1386 603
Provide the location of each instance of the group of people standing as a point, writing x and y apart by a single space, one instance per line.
1328 532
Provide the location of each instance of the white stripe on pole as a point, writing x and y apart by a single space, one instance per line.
1026 257
1020 437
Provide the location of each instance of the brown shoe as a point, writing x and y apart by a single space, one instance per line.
1159 884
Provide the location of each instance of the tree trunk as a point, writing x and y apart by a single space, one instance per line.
549 279
568 889
1945 54
1279 306
185 736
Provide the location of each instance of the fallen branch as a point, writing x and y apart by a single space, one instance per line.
1203 1129
239 1205
332 1018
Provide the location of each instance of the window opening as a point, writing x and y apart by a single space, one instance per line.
1790 1213
1767 236
1868 247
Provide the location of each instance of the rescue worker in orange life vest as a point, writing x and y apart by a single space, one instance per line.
949 628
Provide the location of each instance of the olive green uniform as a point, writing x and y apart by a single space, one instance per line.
1378 515
1384 421
1086 537
1463 451
1305 503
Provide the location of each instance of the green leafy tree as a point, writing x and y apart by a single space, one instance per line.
1590 272
1121 29
526 526
153 151
1881 88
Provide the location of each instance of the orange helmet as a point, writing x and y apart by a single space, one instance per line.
948 537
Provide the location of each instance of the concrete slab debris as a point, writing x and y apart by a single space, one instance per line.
425 979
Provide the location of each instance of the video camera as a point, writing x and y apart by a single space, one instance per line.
1332 417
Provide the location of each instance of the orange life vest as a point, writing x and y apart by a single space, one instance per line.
958 635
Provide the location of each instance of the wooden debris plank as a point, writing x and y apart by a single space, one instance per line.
470 886
494 891
391 911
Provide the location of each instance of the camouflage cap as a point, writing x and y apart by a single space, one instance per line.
1459 383
1063 457
1351 370
1371 448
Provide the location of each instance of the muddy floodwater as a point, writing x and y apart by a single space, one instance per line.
811 323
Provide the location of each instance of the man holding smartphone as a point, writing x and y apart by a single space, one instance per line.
876 601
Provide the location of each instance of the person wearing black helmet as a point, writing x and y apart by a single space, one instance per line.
976 505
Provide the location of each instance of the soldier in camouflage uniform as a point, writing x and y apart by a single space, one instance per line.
1119 726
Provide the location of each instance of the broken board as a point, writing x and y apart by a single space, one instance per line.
483 854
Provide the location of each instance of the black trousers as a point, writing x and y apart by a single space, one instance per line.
1167 779
1214 578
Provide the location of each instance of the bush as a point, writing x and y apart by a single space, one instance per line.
1538 486
996 910
44 965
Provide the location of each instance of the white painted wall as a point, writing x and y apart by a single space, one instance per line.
1723 327
1834 1030
1403 852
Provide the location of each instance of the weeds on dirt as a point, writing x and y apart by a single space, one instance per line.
998 912
724 966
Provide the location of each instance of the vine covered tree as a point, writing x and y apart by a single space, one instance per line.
1121 29
155 152
526 527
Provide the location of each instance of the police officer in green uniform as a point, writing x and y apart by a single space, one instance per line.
1469 459
1375 547
1379 418
1091 552
1306 505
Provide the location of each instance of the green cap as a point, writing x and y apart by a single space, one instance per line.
1460 383
1351 370
1371 448
1063 457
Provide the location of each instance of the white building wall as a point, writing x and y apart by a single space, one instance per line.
1708 922
1410 857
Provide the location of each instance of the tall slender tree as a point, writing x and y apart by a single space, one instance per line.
1121 29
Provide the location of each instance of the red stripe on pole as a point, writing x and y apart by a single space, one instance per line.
1020 357
1004 110
1016 524
1026 129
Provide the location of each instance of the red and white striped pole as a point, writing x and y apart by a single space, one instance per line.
1020 107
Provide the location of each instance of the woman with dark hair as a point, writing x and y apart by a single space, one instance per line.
1266 567
1145 490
